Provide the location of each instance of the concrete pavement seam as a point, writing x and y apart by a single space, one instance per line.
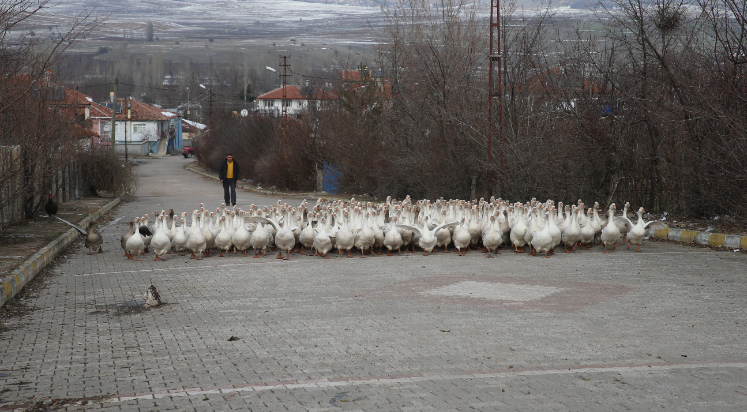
31 267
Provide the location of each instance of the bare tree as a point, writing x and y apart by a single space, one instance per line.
33 125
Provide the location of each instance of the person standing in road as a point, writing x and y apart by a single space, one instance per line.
228 174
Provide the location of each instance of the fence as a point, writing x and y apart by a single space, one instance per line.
22 187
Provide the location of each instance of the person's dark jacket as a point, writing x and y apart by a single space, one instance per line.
224 168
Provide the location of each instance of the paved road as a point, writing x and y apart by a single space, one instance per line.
663 329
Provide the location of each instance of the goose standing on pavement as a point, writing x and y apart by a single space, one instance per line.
223 240
427 236
610 232
125 237
160 241
196 242
135 242
638 230
180 238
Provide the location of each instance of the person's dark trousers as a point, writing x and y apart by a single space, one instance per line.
229 184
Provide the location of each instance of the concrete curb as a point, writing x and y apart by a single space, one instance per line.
32 266
701 238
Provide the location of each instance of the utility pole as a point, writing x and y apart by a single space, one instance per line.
127 122
113 98
495 57
210 100
285 74
284 112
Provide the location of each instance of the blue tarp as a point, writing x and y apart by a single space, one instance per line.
331 181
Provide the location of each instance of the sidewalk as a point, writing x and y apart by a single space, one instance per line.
28 248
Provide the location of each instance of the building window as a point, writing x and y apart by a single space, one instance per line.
288 103
269 103
138 128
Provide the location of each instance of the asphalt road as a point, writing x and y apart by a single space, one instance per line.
659 330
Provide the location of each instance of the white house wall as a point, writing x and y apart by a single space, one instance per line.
296 106
152 128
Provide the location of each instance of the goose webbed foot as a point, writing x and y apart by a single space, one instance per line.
279 256
100 251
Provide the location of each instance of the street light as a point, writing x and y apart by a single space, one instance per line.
271 69
210 96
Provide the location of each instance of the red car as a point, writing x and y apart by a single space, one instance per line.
189 151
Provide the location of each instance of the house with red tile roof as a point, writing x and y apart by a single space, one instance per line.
295 99
144 127
86 112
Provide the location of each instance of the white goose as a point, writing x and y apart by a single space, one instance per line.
542 240
306 238
260 239
241 239
586 237
365 238
196 241
462 237
492 238
393 237
571 233
180 238
345 238
135 242
638 231
223 240
322 241
160 242
207 232
610 232
427 236
518 231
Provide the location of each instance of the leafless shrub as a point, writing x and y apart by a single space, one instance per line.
105 172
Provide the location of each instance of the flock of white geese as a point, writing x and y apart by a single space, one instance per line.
367 227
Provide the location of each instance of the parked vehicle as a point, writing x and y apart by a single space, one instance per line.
189 151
